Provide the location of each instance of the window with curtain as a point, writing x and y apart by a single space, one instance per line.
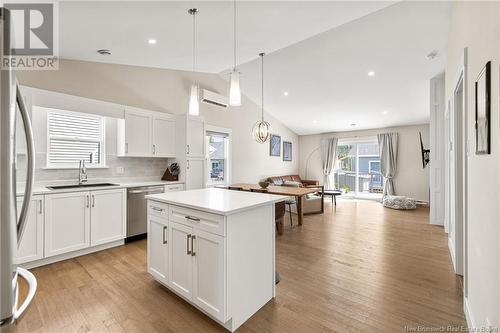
73 136
218 155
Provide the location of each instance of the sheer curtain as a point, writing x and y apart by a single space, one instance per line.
328 160
388 146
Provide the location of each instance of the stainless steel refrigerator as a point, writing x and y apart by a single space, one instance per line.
12 218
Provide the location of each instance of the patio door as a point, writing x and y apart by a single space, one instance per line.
358 168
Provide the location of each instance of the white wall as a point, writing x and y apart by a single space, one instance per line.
476 25
167 91
411 179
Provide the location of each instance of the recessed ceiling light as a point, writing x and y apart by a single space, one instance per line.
353 124
285 93
371 73
433 54
104 52
151 41
385 112
315 121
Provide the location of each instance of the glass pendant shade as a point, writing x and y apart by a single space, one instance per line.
234 90
261 131
194 104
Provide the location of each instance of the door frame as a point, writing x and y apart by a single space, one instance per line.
460 149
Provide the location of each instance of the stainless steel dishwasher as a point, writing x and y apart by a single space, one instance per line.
137 209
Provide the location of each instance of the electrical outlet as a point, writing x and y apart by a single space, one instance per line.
120 170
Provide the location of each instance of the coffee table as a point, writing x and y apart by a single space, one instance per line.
333 194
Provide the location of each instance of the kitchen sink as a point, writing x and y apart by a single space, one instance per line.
64 187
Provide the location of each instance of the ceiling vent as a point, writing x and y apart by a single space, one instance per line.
213 98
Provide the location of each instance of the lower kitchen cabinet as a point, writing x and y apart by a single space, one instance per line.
108 219
78 220
208 272
67 222
31 246
181 266
158 253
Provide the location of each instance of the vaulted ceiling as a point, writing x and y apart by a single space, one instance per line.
318 52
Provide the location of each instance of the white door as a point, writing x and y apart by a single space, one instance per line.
163 136
195 176
195 137
31 246
181 260
67 222
138 134
158 248
108 216
208 273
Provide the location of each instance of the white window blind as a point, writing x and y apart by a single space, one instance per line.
73 137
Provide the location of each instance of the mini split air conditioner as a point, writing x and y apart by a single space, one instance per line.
213 98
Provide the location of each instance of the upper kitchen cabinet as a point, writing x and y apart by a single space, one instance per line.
145 133
163 136
191 136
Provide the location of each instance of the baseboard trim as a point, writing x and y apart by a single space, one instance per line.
452 253
471 324
70 255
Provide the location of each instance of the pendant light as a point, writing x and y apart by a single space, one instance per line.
262 129
234 88
194 104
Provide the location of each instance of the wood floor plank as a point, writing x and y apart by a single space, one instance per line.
356 268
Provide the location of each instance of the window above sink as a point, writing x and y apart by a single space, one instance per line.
74 136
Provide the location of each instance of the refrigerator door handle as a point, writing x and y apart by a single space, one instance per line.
30 157
32 285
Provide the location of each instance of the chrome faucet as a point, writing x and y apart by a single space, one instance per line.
82 173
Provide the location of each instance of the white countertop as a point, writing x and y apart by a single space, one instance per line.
41 188
216 200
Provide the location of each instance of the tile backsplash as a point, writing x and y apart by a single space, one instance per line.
133 167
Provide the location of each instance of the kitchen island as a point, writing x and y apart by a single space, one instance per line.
215 248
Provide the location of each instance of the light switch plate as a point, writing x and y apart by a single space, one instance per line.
120 170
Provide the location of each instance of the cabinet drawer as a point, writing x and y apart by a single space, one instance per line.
174 187
194 218
158 209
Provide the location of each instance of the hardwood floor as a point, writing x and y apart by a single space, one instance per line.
359 268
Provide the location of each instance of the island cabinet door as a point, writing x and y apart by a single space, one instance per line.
181 259
158 248
209 273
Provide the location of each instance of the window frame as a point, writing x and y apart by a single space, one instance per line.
102 141
227 158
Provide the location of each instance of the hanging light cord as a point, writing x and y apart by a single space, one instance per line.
262 61
234 33
194 41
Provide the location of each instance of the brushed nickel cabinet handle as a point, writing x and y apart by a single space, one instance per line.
126 148
157 209
164 234
193 253
154 149
187 150
93 200
40 208
188 251
195 219
88 201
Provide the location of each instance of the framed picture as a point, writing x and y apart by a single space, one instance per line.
275 145
287 151
483 105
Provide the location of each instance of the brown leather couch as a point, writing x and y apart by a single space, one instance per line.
280 180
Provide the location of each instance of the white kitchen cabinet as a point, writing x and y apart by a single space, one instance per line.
195 131
79 220
31 246
108 218
208 273
158 253
174 187
138 133
145 133
181 259
67 222
195 174
163 136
